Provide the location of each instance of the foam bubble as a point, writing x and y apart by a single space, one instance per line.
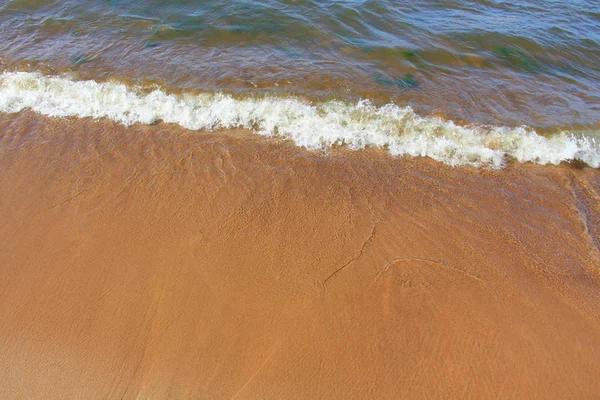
316 126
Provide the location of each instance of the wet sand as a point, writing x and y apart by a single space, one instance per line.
155 263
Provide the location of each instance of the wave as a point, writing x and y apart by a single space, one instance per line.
396 129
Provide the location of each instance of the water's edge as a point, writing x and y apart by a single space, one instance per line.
398 130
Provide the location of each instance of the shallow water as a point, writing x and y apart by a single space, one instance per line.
534 63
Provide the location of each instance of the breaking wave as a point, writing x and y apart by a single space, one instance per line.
313 125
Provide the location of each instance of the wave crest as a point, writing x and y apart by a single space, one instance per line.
317 126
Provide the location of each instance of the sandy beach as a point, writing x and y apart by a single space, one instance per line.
152 262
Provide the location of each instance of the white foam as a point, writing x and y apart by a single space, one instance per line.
317 126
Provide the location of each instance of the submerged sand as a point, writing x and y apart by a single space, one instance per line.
151 262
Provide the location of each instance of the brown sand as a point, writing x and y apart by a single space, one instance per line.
154 263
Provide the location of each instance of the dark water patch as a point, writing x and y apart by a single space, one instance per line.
518 59
80 59
151 43
406 81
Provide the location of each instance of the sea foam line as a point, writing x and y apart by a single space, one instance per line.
317 126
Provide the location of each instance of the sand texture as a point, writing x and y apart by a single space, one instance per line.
154 263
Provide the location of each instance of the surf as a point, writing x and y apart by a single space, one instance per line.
313 125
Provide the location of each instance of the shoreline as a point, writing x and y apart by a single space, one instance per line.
318 126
